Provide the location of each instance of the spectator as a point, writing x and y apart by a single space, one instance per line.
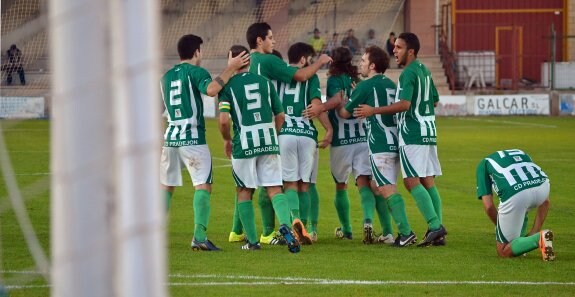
371 40
351 42
390 44
14 56
332 44
317 42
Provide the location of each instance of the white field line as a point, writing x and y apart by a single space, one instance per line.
249 280
509 122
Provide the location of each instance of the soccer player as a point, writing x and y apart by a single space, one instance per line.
521 185
298 138
378 90
349 152
184 139
257 114
261 42
415 102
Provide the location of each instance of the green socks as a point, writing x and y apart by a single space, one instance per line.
397 209
237 223
293 202
314 207
304 206
246 212
267 210
341 203
383 214
367 203
168 197
425 206
522 245
436 201
281 207
201 214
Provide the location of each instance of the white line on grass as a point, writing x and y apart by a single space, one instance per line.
509 122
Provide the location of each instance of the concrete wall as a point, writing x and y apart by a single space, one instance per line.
420 16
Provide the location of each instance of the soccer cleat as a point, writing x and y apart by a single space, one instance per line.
300 232
273 239
439 242
431 236
292 242
205 245
368 235
313 236
546 245
342 235
405 240
234 237
252 246
385 239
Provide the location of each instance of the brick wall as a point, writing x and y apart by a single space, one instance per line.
571 30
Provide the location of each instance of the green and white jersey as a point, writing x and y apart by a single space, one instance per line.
182 87
271 67
345 131
508 172
377 91
417 124
295 97
252 103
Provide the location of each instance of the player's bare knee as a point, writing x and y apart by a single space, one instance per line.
362 181
274 190
205 187
341 186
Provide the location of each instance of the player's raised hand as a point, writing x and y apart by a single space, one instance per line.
313 110
324 59
239 61
228 148
363 111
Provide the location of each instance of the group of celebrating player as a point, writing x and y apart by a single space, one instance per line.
374 127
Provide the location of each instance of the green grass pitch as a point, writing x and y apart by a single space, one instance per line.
467 266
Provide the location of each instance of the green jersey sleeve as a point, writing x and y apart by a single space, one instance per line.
406 86
276 68
314 89
224 100
277 107
483 180
359 96
201 78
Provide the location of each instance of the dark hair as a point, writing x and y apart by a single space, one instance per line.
256 30
391 33
411 41
298 50
187 46
237 50
277 54
378 57
341 64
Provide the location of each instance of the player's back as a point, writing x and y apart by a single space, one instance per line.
181 89
295 97
345 131
512 171
253 105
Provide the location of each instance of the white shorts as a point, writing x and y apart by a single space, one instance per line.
297 153
510 214
349 159
313 178
385 167
419 160
196 158
259 171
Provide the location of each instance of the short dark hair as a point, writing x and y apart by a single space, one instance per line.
378 57
298 50
237 50
256 30
411 41
341 64
391 34
187 46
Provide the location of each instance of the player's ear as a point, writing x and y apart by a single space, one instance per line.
259 41
302 60
197 53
